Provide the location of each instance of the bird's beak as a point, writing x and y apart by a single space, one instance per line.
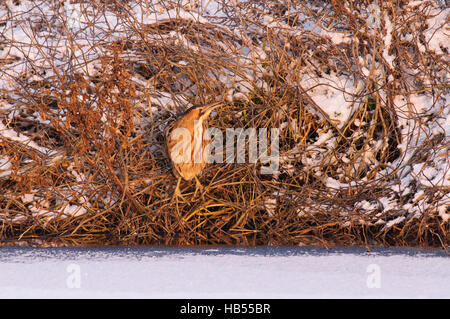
207 109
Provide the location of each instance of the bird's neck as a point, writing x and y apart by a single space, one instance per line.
199 127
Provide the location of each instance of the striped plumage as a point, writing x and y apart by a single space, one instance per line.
195 121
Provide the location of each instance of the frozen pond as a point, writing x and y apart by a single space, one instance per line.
272 272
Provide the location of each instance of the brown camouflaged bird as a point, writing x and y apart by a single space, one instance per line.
185 145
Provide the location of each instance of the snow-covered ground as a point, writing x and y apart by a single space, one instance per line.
223 273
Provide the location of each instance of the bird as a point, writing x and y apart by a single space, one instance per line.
185 145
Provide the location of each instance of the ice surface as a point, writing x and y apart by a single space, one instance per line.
272 272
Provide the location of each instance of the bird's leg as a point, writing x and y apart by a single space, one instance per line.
177 192
198 186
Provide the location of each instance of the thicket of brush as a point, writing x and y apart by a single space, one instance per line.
89 102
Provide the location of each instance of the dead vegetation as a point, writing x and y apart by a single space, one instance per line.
83 108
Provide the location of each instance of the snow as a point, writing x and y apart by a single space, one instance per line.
387 44
333 94
443 212
27 198
74 210
269 272
436 36
393 222
18 137
5 165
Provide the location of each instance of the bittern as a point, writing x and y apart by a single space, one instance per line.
185 144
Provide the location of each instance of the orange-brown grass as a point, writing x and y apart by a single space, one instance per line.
107 134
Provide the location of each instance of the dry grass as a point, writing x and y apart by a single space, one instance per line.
102 106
